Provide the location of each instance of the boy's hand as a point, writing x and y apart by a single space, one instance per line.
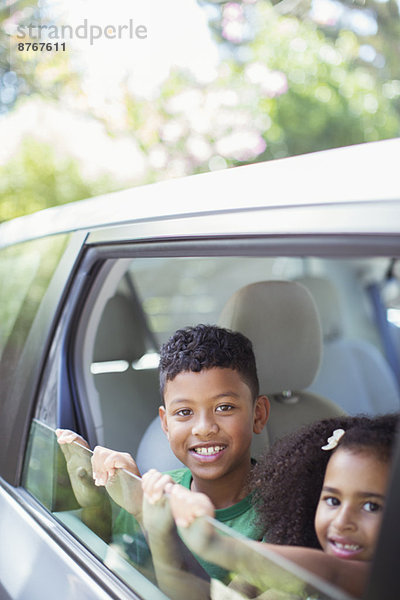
155 484
157 518
178 573
66 436
96 509
79 467
187 505
106 461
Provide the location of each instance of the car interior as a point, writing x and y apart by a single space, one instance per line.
317 344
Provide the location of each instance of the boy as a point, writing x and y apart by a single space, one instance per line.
212 406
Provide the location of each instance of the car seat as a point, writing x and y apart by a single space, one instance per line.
353 372
129 398
280 318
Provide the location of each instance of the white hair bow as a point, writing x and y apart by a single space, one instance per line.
334 439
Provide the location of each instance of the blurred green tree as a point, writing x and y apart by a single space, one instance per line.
37 178
293 77
284 87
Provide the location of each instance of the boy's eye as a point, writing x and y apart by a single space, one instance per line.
224 408
332 501
183 412
372 507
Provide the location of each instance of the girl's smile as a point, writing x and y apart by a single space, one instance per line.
350 507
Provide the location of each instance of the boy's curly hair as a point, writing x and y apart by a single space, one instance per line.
287 481
204 347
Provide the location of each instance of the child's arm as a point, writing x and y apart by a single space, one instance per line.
350 575
88 473
96 509
109 468
179 575
79 467
229 553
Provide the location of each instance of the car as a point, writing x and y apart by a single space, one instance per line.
302 254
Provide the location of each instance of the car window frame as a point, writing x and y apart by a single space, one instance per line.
16 409
91 255
242 245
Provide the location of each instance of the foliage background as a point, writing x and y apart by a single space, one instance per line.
290 77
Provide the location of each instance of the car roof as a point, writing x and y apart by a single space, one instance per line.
360 173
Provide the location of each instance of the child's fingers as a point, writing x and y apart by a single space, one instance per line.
187 505
106 461
66 436
155 484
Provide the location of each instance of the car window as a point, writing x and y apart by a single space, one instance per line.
104 521
156 296
176 292
110 368
64 485
25 270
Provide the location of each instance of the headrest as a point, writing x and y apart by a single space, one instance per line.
119 336
281 320
328 304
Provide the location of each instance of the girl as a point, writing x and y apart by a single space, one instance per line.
319 493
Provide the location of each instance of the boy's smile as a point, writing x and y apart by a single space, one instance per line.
350 508
209 418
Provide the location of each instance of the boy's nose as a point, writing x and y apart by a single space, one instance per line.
205 426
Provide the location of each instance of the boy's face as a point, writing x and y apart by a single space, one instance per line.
350 507
209 418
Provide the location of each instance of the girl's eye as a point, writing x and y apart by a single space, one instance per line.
224 408
372 507
332 501
184 412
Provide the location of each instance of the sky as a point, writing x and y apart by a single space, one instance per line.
176 34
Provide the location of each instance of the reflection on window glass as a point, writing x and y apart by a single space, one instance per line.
139 542
176 292
25 272
61 479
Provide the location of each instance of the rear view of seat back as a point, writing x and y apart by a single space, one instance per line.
129 399
353 372
281 320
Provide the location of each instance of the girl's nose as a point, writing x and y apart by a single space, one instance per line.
344 518
205 426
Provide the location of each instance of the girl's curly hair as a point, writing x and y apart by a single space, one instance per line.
287 481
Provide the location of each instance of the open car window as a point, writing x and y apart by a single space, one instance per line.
102 370
120 333
61 479
111 524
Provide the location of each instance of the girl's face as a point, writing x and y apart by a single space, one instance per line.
350 507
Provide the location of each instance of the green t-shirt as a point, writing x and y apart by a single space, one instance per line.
241 517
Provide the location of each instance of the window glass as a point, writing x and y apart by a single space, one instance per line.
62 481
391 298
25 273
114 524
176 292
156 296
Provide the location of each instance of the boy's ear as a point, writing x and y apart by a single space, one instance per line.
163 419
261 413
